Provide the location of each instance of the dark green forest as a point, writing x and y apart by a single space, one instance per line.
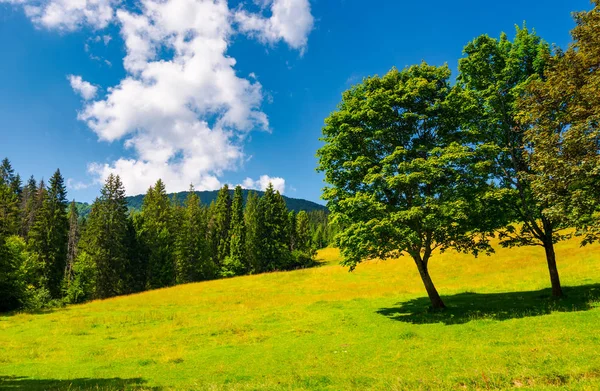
53 252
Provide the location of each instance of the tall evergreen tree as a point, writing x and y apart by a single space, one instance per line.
192 260
252 224
28 207
49 235
9 200
221 224
291 230
105 239
158 237
72 243
237 262
303 236
274 251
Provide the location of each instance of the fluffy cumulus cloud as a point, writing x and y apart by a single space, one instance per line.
263 182
70 14
181 109
82 87
290 21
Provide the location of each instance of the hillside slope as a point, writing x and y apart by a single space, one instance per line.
327 329
206 197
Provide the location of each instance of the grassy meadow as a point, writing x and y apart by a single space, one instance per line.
327 329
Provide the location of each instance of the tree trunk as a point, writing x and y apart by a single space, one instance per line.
436 300
554 278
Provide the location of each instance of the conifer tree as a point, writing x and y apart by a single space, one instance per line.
158 237
192 261
303 232
106 239
28 206
49 235
274 251
291 230
221 224
236 261
253 232
72 243
9 199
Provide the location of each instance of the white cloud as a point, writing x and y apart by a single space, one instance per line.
70 15
290 21
263 182
184 117
181 109
82 87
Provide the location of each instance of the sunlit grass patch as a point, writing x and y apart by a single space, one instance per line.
327 329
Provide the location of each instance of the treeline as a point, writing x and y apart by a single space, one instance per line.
49 255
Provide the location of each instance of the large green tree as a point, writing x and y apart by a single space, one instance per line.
72 243
399 177
49 235
274 251
237 262
9 199
105 239
561 113
253 233
192 259
220 225
303 237
158 237
495 73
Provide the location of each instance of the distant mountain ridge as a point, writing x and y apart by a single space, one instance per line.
206 197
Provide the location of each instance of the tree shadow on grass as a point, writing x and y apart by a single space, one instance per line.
468 306
18 383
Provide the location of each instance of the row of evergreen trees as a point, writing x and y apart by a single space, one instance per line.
49 255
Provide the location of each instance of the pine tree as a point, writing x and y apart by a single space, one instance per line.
253 232
72 243
49 235
222 215
192 260
28 207
158 237
237 263
274 251
291 230
105 239
9 199
303 232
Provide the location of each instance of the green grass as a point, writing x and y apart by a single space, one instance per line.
327 329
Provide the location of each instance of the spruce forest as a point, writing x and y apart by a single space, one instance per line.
52 256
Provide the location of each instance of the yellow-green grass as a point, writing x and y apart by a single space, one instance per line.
325 328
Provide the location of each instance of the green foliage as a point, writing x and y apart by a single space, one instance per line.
273 250
29 206
220 225
253 233
561 113
495 73
303 238
157 235
399 178
48 237
104 241
236 262
193 262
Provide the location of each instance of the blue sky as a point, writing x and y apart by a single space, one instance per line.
185 110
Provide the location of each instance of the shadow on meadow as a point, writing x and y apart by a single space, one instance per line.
17 383
468 306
